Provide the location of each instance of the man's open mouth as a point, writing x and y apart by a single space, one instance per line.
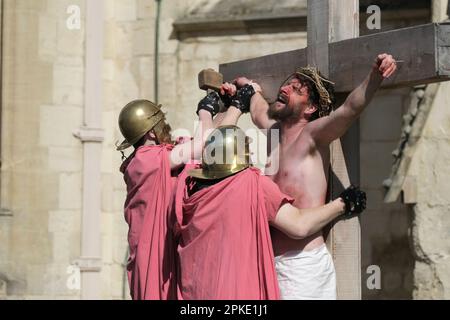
283 98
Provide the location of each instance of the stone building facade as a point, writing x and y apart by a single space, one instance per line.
42 166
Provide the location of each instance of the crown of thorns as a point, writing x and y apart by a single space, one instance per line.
321 84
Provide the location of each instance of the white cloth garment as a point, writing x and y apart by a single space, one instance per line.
306 275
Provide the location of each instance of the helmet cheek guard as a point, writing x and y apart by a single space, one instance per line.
136 119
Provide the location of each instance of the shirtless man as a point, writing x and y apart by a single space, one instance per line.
307 128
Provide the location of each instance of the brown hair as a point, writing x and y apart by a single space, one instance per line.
320 90
162 131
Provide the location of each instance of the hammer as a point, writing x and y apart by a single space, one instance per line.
209 79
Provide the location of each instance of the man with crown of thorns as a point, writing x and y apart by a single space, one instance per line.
302 114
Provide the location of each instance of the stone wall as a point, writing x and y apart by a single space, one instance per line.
384 227
431 221
431 274
41 161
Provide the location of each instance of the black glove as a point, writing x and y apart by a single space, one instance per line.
226 99
210 103
243 97
355 200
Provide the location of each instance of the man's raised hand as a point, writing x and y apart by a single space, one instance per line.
227 92
242 81
228 89
385 64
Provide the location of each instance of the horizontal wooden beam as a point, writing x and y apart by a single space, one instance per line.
269 71
424 49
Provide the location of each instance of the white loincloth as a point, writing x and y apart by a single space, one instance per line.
306 275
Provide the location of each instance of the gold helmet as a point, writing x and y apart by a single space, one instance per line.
226 152
136 119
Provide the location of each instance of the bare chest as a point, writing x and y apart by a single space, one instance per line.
301 172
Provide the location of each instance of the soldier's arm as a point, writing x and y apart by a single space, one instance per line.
232 114
231 117
325 130
237 101
207 108
185 152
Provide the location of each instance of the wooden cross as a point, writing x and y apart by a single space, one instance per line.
335 48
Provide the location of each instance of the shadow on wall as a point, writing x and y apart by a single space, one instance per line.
11 287
388 250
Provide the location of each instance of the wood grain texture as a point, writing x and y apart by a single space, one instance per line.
424 49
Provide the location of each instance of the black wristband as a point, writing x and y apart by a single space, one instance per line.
210 103
354 199
226 100
243 98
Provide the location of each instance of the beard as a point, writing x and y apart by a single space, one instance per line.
283 114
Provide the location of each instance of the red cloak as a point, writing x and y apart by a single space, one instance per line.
151 265
225 249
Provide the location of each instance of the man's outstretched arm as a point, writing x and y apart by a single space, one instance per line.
258 106
329 128
301 223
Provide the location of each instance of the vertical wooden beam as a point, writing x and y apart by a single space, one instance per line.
331 21
344 20
346 234
318 35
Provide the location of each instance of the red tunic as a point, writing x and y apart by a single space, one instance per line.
225 249
151 263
